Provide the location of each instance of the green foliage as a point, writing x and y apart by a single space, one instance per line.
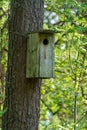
4 6
64 98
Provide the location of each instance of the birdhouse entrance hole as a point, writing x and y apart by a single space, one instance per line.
45 42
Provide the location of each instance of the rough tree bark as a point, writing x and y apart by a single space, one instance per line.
22 95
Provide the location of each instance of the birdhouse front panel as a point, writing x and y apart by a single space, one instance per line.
46 55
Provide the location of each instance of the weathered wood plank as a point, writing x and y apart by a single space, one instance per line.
46 55
32 56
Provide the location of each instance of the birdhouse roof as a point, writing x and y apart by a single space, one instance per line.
44 31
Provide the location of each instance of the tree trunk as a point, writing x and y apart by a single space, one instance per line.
22 95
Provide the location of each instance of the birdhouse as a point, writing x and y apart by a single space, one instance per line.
40 55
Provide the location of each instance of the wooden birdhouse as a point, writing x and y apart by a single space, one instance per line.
40 55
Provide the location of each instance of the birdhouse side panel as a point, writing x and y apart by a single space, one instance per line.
32 56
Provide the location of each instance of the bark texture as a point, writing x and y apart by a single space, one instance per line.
22 95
